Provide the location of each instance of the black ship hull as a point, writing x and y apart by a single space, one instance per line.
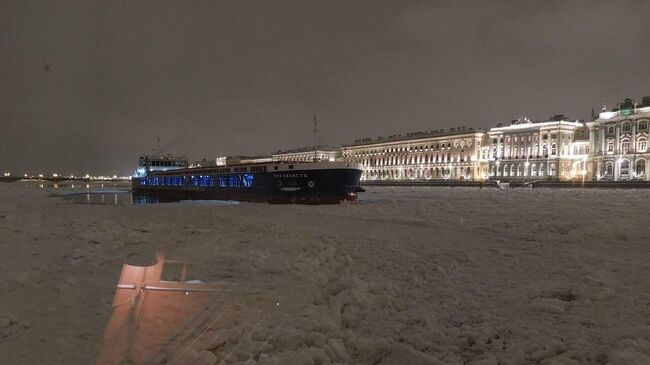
309 186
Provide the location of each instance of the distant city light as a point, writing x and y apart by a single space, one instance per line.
55 175
40 176
6 174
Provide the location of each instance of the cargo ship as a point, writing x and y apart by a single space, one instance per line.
170 178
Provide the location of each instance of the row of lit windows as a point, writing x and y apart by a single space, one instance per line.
627 127
419 148
413 160
641 146
427 173
224 181
166 163
624 169
522 170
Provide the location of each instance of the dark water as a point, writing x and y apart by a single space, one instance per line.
128 198
109 193
102 198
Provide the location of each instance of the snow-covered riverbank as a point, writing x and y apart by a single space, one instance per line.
407 276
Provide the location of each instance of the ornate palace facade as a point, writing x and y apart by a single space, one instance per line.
619 142
546 150
436 154
613 146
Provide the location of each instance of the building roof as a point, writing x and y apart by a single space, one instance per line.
308 149
414 135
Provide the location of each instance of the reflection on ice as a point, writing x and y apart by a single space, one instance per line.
121 197
153 306
209 202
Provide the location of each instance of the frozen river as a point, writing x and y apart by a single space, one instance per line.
406 276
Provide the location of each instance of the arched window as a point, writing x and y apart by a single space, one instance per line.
553 149
519 172
512 170
541 169
609 169
642 145
544 150
640 169
625 146
551 169
505 170
533 170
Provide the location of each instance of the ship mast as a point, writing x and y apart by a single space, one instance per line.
315 138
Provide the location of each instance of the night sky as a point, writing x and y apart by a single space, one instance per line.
85 86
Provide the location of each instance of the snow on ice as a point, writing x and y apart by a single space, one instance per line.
406 276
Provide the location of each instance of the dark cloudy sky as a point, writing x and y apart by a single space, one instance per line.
86 86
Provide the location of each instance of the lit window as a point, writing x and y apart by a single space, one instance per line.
625 146
640 168
643 125
609 169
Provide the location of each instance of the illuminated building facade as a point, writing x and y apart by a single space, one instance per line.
307 154
556 149
619 142
430 155
612 147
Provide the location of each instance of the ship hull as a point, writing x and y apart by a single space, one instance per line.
323 186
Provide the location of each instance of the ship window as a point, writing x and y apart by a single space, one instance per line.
247 180
233 181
